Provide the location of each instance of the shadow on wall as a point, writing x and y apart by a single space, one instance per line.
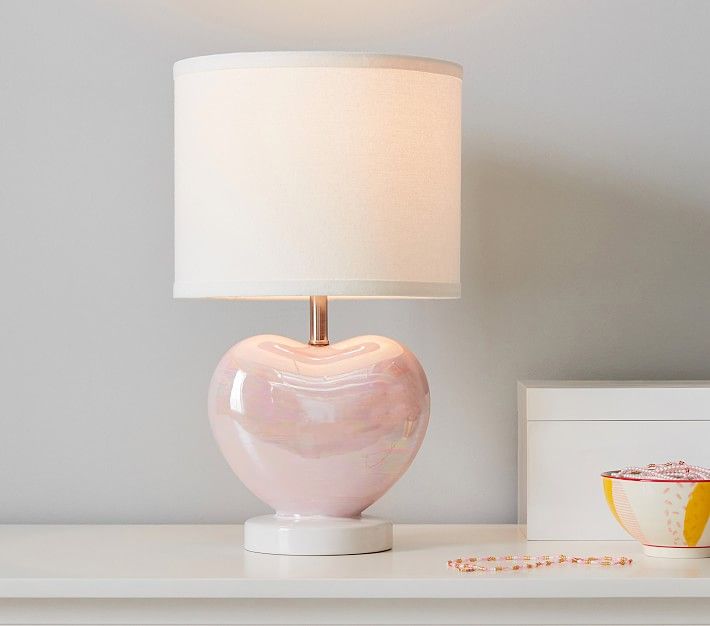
565 275
577 277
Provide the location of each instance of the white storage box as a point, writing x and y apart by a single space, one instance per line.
570 432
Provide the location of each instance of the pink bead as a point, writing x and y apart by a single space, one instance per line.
319 430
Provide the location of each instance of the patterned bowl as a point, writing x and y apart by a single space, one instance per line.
669 517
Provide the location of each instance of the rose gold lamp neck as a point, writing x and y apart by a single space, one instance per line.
319 321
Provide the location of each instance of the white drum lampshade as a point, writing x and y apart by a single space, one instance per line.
317 173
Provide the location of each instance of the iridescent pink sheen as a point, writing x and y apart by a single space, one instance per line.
319 430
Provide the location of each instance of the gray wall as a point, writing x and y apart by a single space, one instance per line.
586 240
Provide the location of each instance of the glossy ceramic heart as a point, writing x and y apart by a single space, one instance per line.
319 430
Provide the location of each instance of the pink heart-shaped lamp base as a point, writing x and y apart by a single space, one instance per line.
319 430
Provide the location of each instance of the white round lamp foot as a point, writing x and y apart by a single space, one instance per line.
272 534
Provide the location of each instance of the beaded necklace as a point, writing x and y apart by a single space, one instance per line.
514 563
673 470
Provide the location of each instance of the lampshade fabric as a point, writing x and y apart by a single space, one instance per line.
302 174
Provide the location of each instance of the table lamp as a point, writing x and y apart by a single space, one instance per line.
317 175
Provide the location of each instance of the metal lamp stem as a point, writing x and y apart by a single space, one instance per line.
319 321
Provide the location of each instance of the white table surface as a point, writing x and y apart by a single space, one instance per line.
208 563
